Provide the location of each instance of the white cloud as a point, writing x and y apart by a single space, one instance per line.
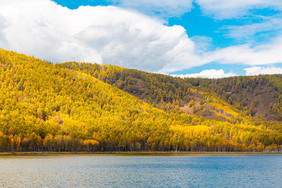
112 35
210 73
108 35
202 43
245 54
166 8
249 32
226 9
262 70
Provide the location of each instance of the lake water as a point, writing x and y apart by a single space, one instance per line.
142 171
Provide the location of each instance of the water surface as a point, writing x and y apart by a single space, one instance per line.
141 171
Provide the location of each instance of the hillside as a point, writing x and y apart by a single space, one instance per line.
258 96
255 96
46 107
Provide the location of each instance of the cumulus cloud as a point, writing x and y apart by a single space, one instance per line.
210 73
262 70
112 35
166 8
226 9
108 35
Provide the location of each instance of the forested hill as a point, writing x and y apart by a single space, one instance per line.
46 107
256 96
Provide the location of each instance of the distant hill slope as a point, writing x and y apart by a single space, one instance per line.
257 96
46 107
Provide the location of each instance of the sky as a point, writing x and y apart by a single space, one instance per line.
185 38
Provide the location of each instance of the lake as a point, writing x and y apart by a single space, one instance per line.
242 170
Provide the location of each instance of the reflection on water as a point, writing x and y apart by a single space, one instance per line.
141 171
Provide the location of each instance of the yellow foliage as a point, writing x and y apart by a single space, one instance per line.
225 108
45 107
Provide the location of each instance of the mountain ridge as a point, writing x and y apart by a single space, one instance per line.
158 89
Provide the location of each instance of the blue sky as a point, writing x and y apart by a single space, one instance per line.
199 38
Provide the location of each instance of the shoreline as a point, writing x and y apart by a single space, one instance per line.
141 153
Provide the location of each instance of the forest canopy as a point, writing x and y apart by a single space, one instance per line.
48 107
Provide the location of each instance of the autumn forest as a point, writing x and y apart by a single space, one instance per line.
90 107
